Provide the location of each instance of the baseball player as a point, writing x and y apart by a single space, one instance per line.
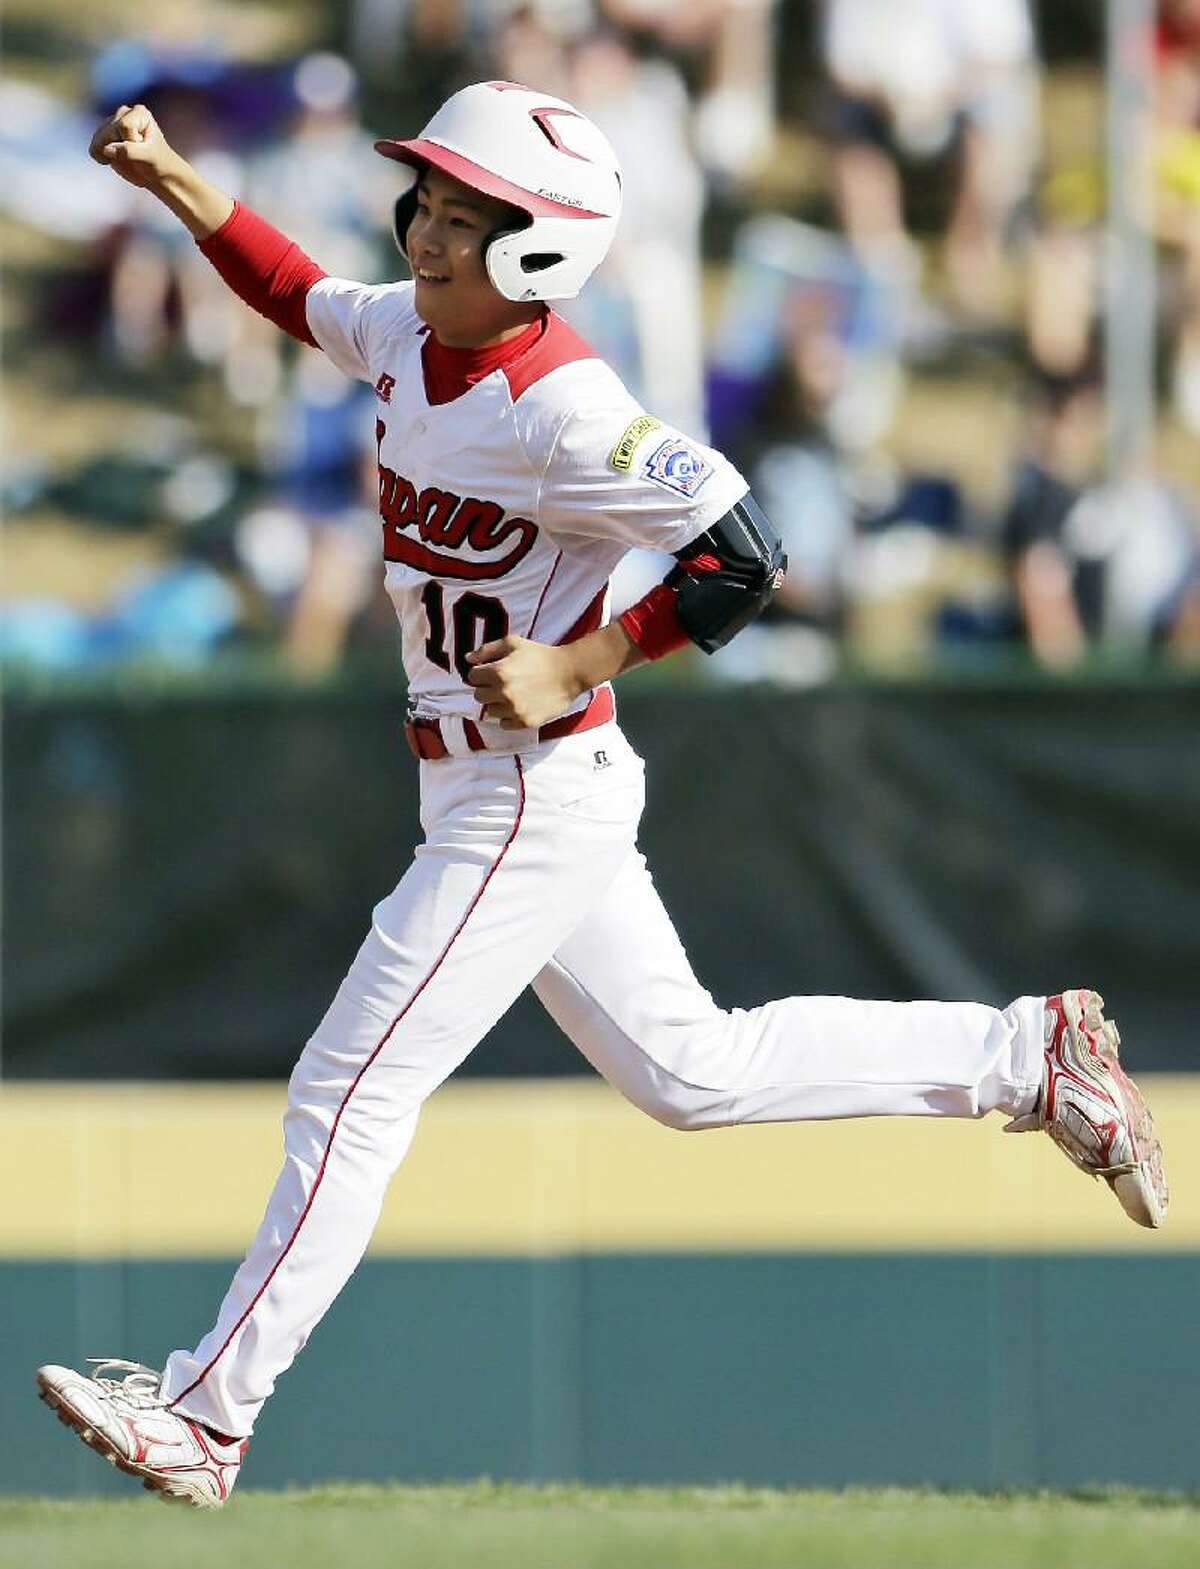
514 472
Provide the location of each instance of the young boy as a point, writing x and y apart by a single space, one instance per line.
514 472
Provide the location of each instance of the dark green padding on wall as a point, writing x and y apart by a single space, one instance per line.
187 877
968 1370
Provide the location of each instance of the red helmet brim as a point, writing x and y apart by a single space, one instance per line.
418 153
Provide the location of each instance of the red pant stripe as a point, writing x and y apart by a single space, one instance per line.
383 1040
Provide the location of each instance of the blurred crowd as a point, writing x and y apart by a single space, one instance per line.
797 260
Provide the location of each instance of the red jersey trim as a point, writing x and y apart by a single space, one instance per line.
545 344
450 372
558 345
589 621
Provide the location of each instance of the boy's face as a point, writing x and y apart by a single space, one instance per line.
454 294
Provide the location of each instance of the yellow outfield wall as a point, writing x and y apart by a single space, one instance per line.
544 1167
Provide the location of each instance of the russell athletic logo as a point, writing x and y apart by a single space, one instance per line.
419 526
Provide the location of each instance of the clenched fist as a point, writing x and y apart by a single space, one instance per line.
521 683
524 684
131 143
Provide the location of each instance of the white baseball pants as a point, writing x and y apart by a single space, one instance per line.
529 875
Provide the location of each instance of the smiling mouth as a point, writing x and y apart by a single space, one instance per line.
423 275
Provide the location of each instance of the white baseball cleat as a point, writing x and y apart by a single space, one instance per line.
1093 1110
125 1420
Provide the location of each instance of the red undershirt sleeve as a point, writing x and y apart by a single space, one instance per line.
653 622
264 268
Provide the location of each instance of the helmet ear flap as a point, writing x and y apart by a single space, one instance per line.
498 268
403 213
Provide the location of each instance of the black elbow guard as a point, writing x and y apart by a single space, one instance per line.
714 605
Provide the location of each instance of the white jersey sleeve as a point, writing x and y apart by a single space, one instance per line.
350 320
613 472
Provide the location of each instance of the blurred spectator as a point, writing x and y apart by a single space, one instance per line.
528 42
806 484
43 181
644 309
1058 591
324 185
1178 106
729 46
925 582
313 551
814 334
415 53
1091 561
799 461
797 295
180 613
938 79
322 181
1062 286
879 561
159 282
1177 629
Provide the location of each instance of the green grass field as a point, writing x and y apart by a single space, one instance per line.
487 1526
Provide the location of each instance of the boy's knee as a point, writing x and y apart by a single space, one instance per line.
689 1109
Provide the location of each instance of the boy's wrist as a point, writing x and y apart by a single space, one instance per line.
172 176
200 206
600 656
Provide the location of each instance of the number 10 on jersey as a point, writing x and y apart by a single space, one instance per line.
476 619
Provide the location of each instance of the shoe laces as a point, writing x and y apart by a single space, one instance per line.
139 1385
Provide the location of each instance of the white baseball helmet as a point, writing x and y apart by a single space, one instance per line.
538 154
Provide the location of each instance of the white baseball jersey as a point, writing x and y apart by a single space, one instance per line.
507 509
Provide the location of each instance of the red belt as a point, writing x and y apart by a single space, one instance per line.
424 736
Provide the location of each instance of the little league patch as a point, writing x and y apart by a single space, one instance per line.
677 465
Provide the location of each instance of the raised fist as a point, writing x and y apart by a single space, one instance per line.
131 143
